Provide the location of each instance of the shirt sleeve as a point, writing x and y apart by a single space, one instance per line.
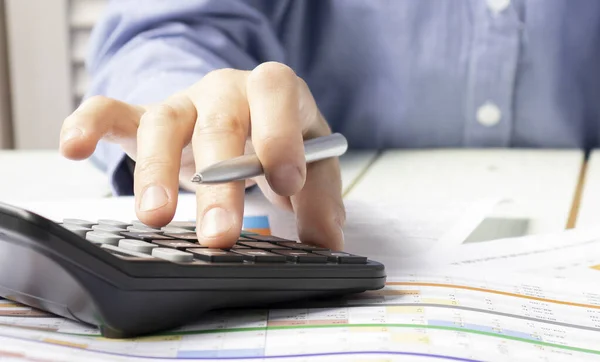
141 52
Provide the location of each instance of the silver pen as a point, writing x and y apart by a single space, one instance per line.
247 166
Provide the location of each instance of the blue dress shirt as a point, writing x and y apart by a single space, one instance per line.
385 73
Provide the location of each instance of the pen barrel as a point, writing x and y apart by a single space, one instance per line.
242 167
325 147
249 166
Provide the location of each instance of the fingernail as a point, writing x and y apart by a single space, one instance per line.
287 177
153 198
215 222
71 134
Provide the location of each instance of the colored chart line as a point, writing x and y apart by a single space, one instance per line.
325 354
391 325
493 291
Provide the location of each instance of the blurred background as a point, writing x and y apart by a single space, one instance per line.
43 45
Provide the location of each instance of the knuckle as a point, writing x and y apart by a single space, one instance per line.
163 111
220 123
272 73
153 165
219 75
100 101
71 120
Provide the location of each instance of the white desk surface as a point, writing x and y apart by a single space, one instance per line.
539 185
47 176
352 166
589 207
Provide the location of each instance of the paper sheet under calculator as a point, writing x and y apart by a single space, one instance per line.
457 316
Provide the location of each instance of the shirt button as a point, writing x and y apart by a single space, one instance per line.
488 114
498 6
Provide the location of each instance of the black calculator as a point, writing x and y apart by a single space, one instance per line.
130 280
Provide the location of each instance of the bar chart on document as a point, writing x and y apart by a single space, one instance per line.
418 317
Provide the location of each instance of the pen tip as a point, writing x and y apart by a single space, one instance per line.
197 178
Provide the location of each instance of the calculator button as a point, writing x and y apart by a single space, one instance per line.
175 244
271 238
108 229
115 223
173 255
189 225
237 246
243 238
137 245
174 230
260 256
302 257
216 255
299 246
124 252
146 236
134 229
142 228
187 236
342 258
99 237
261 245
79 230
79 222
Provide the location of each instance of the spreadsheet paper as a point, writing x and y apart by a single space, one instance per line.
453 315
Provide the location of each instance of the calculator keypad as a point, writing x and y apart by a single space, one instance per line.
108 229
146 236
261 245
216 255
178 243
302 257
260 256
137 245
172 255
99 237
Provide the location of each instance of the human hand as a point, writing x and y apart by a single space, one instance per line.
268 110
